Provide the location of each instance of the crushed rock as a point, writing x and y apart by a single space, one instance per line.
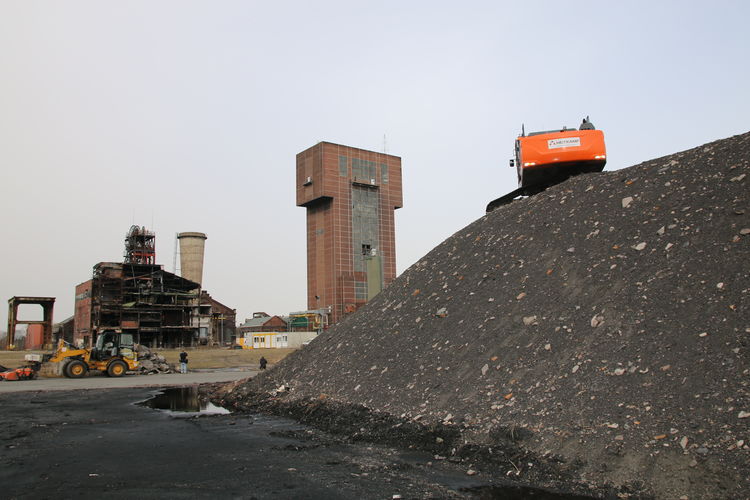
151 362
621 289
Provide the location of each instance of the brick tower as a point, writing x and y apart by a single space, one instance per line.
350 195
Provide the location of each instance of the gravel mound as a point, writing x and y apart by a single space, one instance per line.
595 334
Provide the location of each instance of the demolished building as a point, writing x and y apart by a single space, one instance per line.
156 306
159 308
216 321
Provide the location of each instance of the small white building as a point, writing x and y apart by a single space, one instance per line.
277 340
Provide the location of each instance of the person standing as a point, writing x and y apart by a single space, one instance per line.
183 361
263 363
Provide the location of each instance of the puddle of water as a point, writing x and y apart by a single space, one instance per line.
183 400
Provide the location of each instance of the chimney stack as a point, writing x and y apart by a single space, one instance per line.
191 255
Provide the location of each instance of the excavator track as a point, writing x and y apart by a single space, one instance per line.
510 197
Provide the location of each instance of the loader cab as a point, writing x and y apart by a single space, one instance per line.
111 343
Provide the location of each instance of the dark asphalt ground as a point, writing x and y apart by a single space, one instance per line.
92 443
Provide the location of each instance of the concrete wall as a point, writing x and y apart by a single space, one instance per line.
294 340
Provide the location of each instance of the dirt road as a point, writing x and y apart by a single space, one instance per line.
98 381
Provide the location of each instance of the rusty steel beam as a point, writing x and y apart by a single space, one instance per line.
48 305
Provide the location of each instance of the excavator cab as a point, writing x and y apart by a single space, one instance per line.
543 159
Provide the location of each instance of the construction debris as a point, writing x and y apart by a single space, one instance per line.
150 363
619 289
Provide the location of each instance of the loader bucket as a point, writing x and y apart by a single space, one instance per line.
52 369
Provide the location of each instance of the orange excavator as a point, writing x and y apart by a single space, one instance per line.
543 159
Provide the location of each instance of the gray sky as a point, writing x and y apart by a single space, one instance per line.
187 115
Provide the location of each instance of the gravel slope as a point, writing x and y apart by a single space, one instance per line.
599 329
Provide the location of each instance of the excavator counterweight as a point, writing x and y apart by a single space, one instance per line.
543 159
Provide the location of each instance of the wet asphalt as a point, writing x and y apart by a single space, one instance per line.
95 442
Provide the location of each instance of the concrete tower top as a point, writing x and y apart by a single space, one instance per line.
192 235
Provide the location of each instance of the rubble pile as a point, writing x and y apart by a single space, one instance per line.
599 330
150 363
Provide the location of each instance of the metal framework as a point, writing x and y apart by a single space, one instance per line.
143 299
47 303
140 246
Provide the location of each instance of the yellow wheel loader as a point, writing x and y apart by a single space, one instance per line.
113 354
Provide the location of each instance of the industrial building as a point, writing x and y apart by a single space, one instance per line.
217 322
156 306
262 322
159 308
264 331
351 196
64 330
302 321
